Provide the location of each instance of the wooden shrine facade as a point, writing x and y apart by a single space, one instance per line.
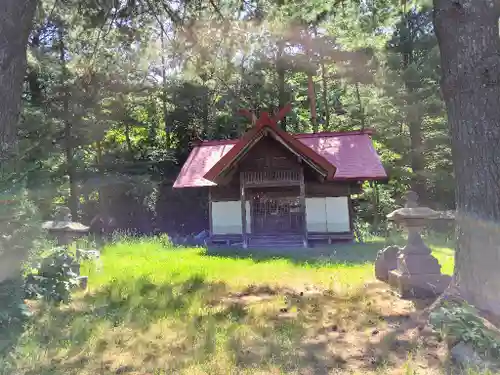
271 187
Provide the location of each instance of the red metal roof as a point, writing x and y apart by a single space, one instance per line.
351 152
255 133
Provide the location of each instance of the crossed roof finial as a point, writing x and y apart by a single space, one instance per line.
265 117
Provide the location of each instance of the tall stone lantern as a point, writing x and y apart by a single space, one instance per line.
418 273
63 228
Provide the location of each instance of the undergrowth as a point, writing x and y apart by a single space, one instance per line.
460 322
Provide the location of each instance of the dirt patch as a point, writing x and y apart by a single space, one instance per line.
257 294
368 330
261 329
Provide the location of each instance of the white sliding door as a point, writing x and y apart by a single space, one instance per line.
337 214
329 214
226 217
316 215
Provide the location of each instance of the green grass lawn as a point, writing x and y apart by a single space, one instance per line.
156 309
348 265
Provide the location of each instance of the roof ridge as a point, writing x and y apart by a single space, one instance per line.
212 142
263 129
334 134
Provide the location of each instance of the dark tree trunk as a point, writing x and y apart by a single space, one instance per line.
360 107
417 160
324 88
68 132
280 68
282 93
166 121
101 196
16 18
468 36
312 102
413 110
324 95
128 141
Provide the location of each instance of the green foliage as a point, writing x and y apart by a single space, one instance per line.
462 323
20 238
13 310
136 111
54 278
20 223
165 241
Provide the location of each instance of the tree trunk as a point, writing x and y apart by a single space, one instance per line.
282 93
324 88
312 102
468 37
324 95
101 200
166 121
128 141
360 107
417 160
376 206
280 67
413 110
68 132
16 18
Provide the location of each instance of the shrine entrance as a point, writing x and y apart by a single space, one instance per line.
274 214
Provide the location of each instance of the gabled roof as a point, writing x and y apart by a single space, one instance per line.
268 127
352 153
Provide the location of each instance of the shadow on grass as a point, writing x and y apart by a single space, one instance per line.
136 326
169 326
354 253
404 340
296 340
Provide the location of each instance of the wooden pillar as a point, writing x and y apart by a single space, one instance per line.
303 207
351 214
243 212
210 226
351 210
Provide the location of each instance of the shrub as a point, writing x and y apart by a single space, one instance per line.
54 278
13 309
165 241
458 322
21 236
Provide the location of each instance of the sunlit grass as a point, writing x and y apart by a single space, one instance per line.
446 258
150 259
155 309
350 264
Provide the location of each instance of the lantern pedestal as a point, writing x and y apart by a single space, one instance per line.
418 285
418 273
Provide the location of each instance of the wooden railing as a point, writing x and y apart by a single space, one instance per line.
274 177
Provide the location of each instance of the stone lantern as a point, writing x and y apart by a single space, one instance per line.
67 231
63 228
417 273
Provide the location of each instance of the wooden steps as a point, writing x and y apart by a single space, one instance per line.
329 238
276 241
281 240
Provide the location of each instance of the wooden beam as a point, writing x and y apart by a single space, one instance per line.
303 206
243 211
